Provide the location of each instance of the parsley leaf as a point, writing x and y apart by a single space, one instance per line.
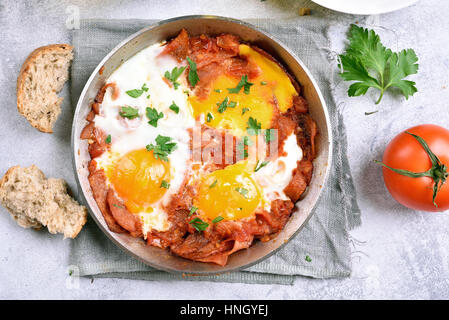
241 146
129 112
199 224
225 104
260 166
192 210
254 127
108 139
373 65
243 83
174 107
213 184
209 117
154 116
269 135
308 259
217 219
193 75
244 110
165 184
135 93
162 148
242 191
174 75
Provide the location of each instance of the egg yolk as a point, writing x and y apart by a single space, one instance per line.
137 178
230 193
271 89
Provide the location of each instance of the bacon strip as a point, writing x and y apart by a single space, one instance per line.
123 217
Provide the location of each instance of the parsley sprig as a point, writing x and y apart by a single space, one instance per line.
373 65
162 148
193 75
243 83
153 116
129 112
242 146
222 106
174 75
217 219
174 107
135 93
199 224
269 135
260 165
254 127
165 184
242 191
193 209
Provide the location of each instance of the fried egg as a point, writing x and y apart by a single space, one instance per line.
242 189
271 83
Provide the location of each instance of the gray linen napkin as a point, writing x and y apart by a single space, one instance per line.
324 238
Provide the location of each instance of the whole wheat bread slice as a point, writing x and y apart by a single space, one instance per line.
41 77
35 201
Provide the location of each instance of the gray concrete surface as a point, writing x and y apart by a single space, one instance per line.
398 253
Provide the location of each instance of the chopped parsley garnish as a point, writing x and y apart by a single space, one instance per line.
368 62
242 191
165 184
70 272
260 165
129 112
244 110
209 117
148 96
225 104
108 139
199 224
213 184
193 75
117 206
241 147
308 259
254 127
192 210
243 83
174 107
135 93
263 83
174 75
154 116
162 148
217 219
269 135
247 141
217 90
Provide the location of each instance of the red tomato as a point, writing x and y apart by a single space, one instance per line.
405 152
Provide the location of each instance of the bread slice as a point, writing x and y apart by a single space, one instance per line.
35 201
41 77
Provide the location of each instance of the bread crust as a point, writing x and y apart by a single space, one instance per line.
24 70
58 186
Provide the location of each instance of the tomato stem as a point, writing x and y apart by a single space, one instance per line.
438 172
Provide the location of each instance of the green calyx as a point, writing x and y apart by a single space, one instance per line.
438 172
